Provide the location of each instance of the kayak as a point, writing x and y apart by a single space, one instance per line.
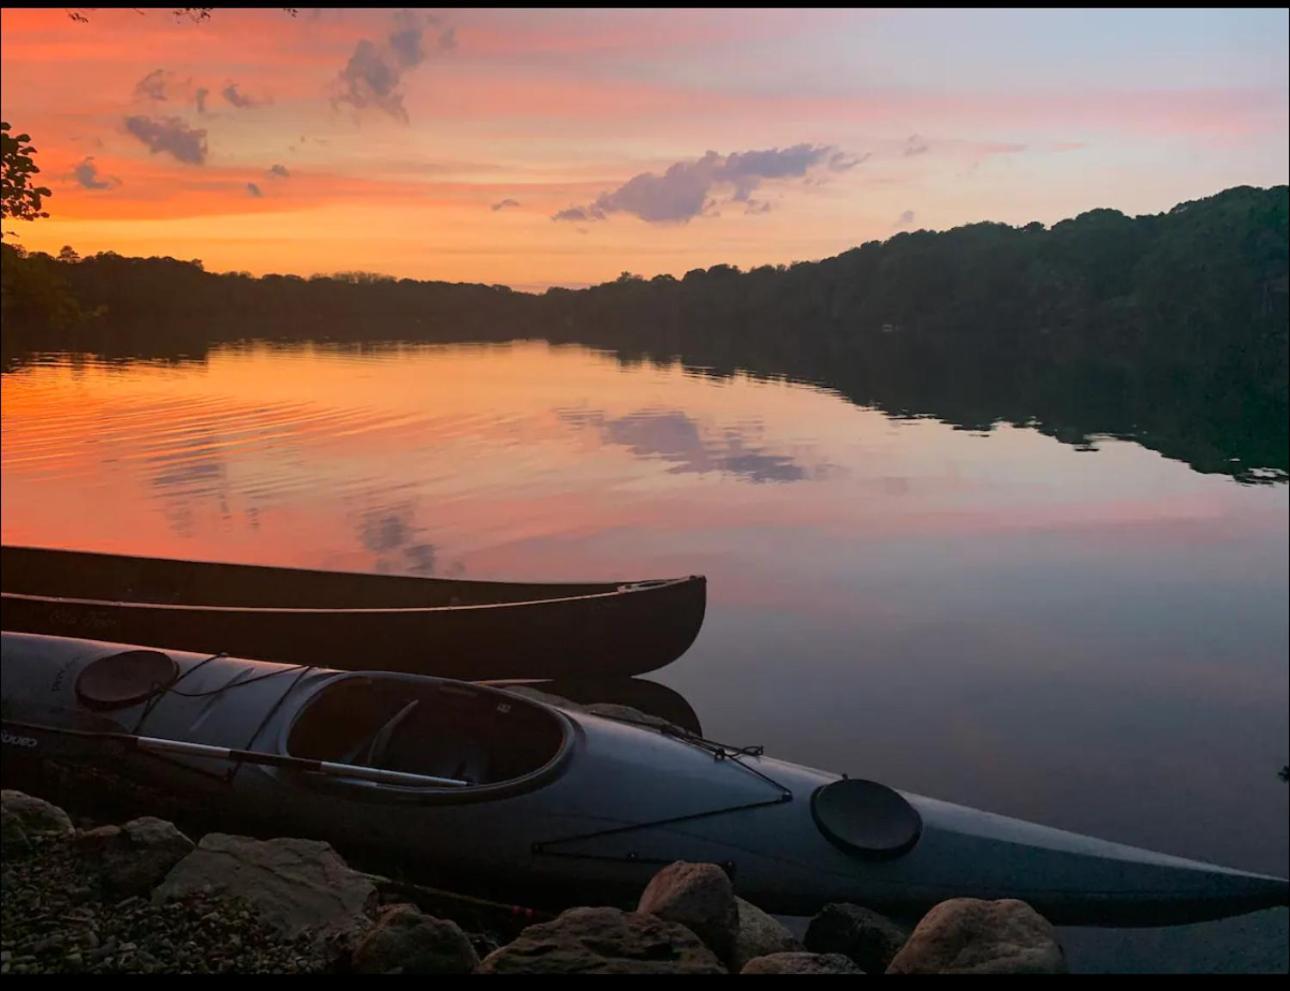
472 630
490 785
646 697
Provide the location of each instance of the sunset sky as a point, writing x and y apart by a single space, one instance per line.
553 147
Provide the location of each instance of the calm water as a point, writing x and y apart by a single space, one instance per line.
1096 640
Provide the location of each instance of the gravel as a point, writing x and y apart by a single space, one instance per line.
54 920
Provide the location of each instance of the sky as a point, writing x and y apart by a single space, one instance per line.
543 147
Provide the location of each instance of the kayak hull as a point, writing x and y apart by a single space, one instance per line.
612 804
446 628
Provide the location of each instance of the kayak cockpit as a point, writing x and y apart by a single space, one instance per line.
461 733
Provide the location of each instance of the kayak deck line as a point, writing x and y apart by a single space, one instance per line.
152 744
720 752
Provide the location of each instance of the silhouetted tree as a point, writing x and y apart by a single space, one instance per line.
20 197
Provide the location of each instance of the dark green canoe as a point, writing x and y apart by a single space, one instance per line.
470 630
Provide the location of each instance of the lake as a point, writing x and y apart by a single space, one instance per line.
1093 637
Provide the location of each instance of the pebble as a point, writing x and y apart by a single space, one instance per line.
54 922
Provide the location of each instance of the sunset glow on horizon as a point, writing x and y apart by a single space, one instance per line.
557 147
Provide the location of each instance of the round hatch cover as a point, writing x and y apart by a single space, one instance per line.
865 817
125 679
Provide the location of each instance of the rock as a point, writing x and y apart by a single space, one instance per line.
141 856
134 858
759 936
801 963
35 816
13 837
406 941
93 842
699 897
604 941
296 886
870 939
971 936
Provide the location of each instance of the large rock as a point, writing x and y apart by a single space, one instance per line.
406 941
801 963
296 886
13 838
134 858
759 935
699 897
604 941
36 818
970 936
870 939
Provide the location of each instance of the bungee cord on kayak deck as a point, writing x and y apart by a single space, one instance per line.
720 752
160 691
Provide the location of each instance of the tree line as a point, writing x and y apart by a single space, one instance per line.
1169 328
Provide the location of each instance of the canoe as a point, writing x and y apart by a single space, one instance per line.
488 785
472 630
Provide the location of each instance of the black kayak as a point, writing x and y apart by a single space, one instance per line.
472 630
489 786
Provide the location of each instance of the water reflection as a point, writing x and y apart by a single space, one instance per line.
678 438
1176 415
390 529
1093 641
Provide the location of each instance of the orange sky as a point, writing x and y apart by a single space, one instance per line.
442 145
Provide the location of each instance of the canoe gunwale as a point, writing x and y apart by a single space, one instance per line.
625 589
36 562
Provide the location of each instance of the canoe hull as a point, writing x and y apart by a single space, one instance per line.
467 630
619 802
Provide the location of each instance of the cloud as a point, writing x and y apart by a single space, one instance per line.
240 100
686 190
170 134
504 204
579 213
914 145
905 219
408 46
87 174
152 86
373 73
686 446
840 161
279 170
254 190
200 98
